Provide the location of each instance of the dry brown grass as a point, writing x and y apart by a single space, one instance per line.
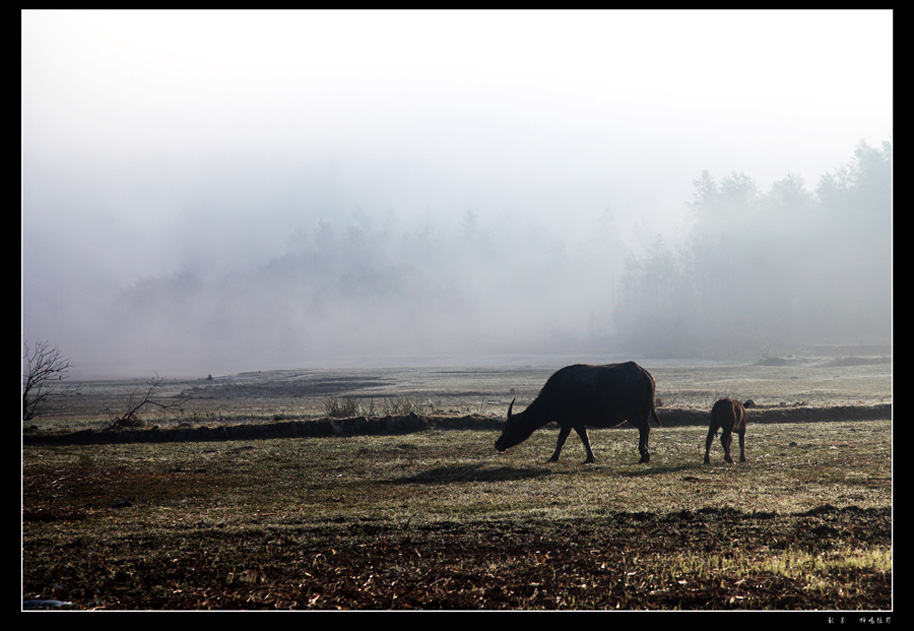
437 519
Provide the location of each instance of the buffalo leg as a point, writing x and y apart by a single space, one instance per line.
645 430
742 445
563 434
582 432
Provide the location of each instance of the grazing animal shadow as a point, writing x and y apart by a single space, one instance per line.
472 473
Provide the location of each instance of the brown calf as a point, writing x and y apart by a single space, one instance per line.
728 415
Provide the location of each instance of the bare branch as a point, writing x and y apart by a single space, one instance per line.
131 417
43 364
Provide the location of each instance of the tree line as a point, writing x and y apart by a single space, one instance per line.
768 268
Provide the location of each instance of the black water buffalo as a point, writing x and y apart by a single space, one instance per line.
728 415
579 396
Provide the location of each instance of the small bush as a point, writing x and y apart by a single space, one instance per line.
347 408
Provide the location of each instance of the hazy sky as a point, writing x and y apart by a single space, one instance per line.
156 142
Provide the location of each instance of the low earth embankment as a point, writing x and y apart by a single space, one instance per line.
412 422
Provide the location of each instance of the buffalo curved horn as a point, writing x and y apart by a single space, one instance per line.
511 406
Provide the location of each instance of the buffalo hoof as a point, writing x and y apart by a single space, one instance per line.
645 458
589 461
707 460
729 459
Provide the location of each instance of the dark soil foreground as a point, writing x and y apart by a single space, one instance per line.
605 564
618 561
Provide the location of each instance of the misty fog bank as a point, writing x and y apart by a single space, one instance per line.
220 191
753 271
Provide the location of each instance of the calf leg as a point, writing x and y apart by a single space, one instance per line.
563 434
726 438
712 432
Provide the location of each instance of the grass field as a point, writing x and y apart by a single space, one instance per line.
437 519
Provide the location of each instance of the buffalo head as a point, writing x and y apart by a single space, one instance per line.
514 432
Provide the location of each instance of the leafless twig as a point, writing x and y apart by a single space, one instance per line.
131 417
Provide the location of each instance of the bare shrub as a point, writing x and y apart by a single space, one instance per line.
131 416
44 365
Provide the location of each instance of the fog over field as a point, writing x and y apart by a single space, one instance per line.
221 191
